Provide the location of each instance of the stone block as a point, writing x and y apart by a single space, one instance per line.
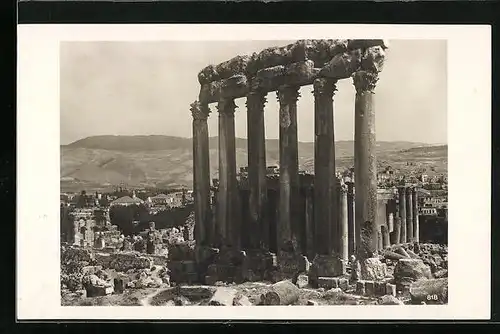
97 291
390 289
328 282
312 303
411 270
373 59
367 43
372 269
327 266
343 283
360 288
380 288
369 288
342 66
120 283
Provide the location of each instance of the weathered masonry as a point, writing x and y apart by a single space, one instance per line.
345 216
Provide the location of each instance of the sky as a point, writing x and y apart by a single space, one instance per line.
145 88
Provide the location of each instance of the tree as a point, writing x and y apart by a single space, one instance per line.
82 200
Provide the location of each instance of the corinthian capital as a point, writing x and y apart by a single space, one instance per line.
324 87
256 100
365 81
226 106
199 111
287 94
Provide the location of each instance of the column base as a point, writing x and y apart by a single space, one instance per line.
236 266
326 266
288 266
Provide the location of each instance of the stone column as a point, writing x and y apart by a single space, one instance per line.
201 175
389 217
287 229
396 234
409 215
416 224
365 165
228 198
386 242
309 215
259 228
402 213
326 218
344 225
350 218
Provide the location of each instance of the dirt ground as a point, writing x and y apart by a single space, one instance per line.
200 295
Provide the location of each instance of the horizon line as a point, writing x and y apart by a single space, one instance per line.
245 138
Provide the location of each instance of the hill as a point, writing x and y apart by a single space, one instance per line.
101 162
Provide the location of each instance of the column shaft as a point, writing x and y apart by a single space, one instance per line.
325 215
402 213
287 229
365 164
259 229
409 214
201 176
350 218
228 197
309 207
416 223
344 225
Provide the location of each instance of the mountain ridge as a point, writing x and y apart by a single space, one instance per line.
99 162
159 142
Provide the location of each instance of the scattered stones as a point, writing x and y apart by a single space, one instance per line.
441 273
411 270
390 300
242 300
96 286
343 283
223 297
412 254
392 255
333 293
402 251
431 291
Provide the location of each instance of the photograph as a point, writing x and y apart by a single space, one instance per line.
278 165
253 172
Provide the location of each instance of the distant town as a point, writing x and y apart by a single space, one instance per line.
170 208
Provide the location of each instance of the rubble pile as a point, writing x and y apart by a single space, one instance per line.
99 274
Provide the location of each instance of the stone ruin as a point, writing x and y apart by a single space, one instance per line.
349 239
312 235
